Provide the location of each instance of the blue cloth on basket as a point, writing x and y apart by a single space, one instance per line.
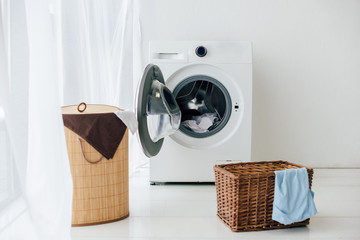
293 199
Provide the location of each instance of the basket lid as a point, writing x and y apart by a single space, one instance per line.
89 109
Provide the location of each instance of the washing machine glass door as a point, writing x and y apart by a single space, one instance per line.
158 114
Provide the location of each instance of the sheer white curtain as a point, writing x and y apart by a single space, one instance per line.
98 51
53 53
101 44
31 117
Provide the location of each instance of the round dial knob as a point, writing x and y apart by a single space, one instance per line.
201 51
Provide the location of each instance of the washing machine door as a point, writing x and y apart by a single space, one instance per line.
158 114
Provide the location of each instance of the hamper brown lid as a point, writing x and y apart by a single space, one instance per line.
97 124
90 108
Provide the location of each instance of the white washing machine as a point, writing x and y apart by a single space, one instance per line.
194 108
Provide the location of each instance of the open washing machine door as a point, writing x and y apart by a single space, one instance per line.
158 114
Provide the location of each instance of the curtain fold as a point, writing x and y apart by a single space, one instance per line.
29 94
48 165
98 52
102 56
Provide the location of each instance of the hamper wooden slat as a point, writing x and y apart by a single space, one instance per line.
101 190
245 194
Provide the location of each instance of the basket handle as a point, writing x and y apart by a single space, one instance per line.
84 108
82 151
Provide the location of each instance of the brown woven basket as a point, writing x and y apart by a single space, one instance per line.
101 189
245 194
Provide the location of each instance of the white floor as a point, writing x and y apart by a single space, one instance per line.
169 212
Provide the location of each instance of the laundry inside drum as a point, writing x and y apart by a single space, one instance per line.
205 105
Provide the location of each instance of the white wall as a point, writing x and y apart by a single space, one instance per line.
306 62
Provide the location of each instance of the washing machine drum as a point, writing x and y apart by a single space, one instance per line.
199 109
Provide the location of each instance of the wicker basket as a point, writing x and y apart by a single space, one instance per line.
245 194
101 190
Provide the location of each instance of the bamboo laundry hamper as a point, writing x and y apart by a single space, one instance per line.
101 190
245 194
